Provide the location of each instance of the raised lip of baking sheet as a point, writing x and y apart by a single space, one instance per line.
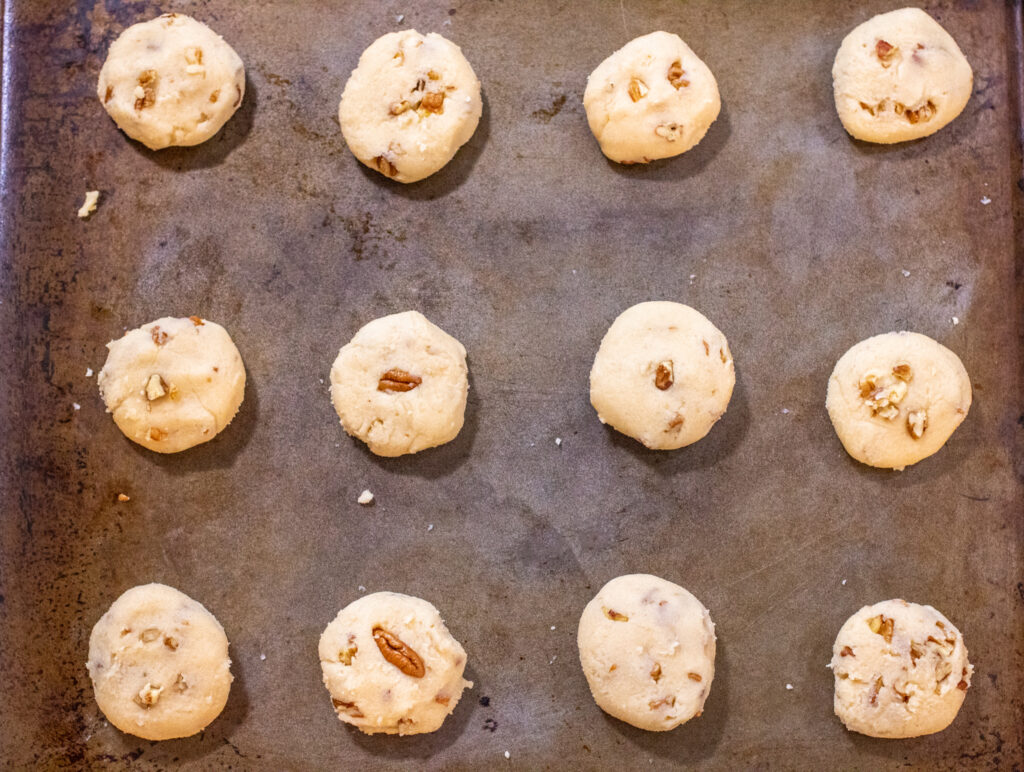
525 248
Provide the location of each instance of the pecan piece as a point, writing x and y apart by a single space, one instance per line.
917 422
156 387
615 616
882 625
398 380
664 376
962 686
194 55
345 655
903 372
384 166
148 695
433 102
669 131
846 652
157 434
108 94
655 704
348 707
147 85
676 75
923 113
656 672
158 335
398 653
694 677
637 89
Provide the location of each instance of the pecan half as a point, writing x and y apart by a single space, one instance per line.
147 83
398 653
676 75
398 380
664 376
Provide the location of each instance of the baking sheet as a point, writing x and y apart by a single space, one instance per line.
794 240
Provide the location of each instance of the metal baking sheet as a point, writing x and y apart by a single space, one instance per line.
795 240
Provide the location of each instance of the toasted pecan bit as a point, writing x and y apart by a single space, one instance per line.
345 655
962 686
675 75
215 95
707 349
398 380
238 99
656 672
347 707
903 372
615 616
158 335
399 58
442 699
915 653
885 52
398 653
434 75
171 643
147 83
664 376
399 107
612 668
123 497
876 687
149 635
670 701
721 354
384 166
433 102
157 434
846 652
677 420
694 677
196 321
194 55
180 684
108 95
882 625
637 89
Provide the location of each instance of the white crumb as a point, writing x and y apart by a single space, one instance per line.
508 755
362 589
573 271
693 276
789 687
263 657
785 411
552 627
76 406
955 320
905 272
558 441
321 380
398 19
447 23
985 201
92 198
88 372
366 497
430 527
552 660
844 582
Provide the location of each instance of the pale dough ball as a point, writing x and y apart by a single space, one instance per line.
400 385
412 102
391 665
899 76
647 647
159 664
901 670
171 81
663 375
895 399
653 98
173 383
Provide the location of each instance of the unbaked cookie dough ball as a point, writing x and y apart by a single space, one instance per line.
653 98
171 81
896 398
412 102
391 665
173 383
159 664
647 647
400 385
899 76
663 375
901 670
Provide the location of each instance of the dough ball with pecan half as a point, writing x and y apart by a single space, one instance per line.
159 664
663 375
391 665
653 98
896 398
173 383
647 647
901 670
899 76
171 81
408 107
400 385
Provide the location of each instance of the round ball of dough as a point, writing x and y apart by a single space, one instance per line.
895 399
901 670
653 98
899 76
171 81
173 383
412 102
391 665
159 664
400 385
647 647
663 375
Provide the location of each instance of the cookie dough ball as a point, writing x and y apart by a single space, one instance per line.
173 383
899 76
901 670
647 647
159 664
663 375
400 385
412 102
391 665
895 399
653 98
171 81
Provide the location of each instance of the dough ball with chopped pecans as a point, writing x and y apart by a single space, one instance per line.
171 81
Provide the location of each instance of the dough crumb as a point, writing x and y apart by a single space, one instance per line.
430 527
398 19
263 657
76 406
905 272
362 589
785 411
955 320
366 497
985 201
88 372
123 497
844 582
508 755
789 687
92 198
558 441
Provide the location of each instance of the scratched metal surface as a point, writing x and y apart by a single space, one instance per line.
795 240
